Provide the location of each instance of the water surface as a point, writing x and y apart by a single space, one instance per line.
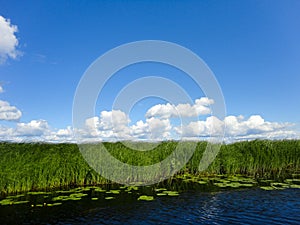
246 206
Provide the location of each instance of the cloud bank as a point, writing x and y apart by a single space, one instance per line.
158 125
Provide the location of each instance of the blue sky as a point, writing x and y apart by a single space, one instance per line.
251 46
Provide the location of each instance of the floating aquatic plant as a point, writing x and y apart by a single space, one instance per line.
267 188
171 193
146 198
109 198
161 194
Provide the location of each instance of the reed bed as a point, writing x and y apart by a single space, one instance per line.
43 166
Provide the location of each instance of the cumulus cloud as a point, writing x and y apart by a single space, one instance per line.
212 126
1 89
68 132
33 128
110 125
158 128
115 125
8 40
200 107
115 120
8 112
238 128
5 132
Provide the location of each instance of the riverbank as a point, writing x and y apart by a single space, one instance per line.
42 166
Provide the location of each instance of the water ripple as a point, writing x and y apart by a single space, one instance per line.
251 206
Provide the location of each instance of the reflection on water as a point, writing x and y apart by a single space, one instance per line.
247 206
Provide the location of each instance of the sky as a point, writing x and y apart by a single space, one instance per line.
252 48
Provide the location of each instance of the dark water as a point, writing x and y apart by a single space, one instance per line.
247 206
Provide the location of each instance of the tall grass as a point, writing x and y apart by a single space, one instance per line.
25 166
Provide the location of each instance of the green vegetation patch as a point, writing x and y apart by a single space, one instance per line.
160 189
16 196
171 193
109 198
113 192
42 166
161 194
37 193
54 204
267 188
146 198
6 202
20 202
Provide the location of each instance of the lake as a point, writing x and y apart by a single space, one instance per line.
243 206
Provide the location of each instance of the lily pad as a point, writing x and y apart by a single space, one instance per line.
234 185
73 199
109 198
6 202
295 186
171 193
20 202
247 185
15 196
279 184
77 195
291 180
56 203
63 191
131 188
161 194
37 193
146 198
202 182
114 191
267 188
99 190
160 189
221 185
59 198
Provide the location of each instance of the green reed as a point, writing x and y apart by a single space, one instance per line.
33 166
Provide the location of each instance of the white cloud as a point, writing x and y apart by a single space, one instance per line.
140 130
238 128
5 132
153 129
212 126
159 129
114 125
8 112
33 128
8 40
68 132
115 120
110 124
1 89
200 107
